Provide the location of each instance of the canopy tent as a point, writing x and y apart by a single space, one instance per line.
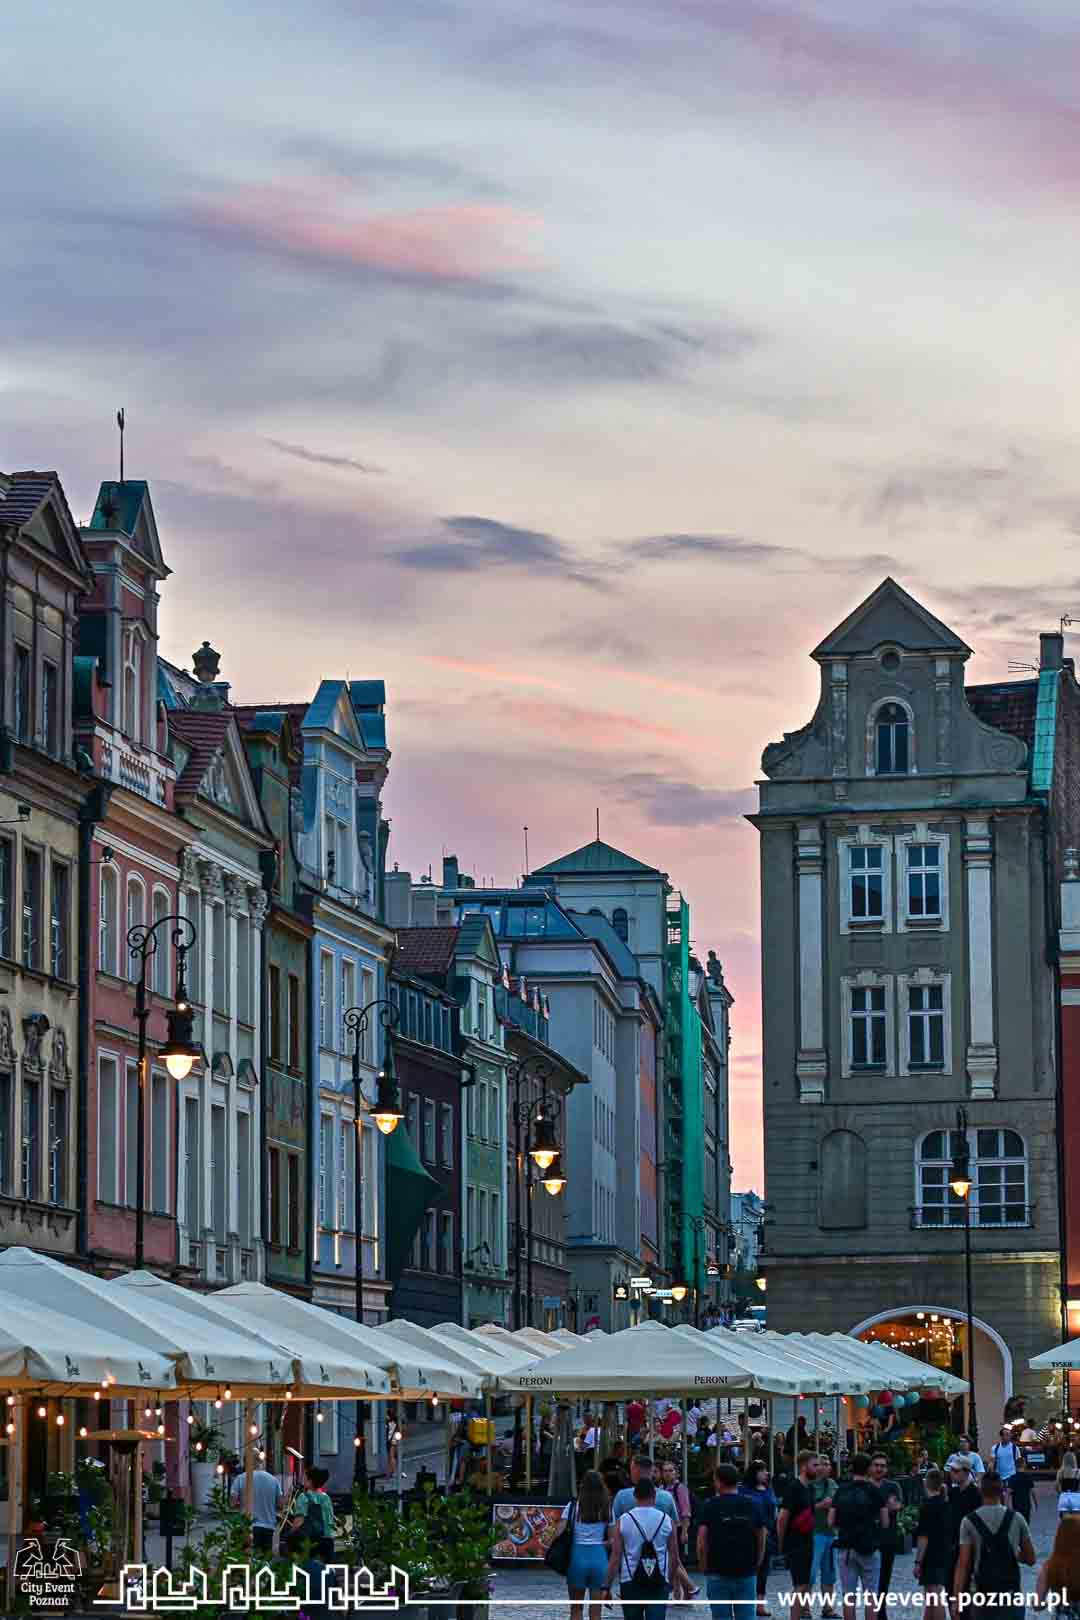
1062 1355
476 1358
415 1374
504 1355
238 1354
893 1369
670 1365
848 1373
808 1376
44 1351
564 1337
521 1339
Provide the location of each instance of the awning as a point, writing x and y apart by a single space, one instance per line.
409 1191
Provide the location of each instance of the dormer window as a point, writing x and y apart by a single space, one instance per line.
131 723
892 741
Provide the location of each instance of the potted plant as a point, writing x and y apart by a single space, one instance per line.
204 1439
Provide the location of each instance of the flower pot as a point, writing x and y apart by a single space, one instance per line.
203 1480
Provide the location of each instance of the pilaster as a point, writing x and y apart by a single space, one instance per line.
811 1064
982 1056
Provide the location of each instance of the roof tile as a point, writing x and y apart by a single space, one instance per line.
203 731
1008 705
425 950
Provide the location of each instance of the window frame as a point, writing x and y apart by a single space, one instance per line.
872 723
60 921
273 1010
953 1205
7 896
31 908
161 961
30 1143
22 694
49 703
446 1132
867 980
865 839
922 834
133 884
326 1001
919 979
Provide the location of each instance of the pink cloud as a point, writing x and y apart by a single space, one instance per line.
593 728
493 672
319 220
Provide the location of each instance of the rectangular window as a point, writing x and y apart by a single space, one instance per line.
160 1136
294 1021
273 1176
346 1176
326 999
412 1119
495 1202
470 1220
219 1177
868 1028
926 1026
482 1110
108 1104
866 868
244 1212
31 1139
31 908
273 996
221 960
446 1245
348 1001
326 1171
429 1132
131 1132
58 1144
21 716
59 911
481 1012
446 1144
6 896
470 1109
429 1257
330 849
192 1167
367 996
924 880
243 970
292 1236
483 1242
5 1132
50 707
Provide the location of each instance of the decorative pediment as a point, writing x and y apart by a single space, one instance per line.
332 710
889 616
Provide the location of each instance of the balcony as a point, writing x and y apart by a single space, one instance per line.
137 771
992 1217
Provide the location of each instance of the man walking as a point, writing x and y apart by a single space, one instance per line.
795 1530
890 1540
994 1542
860 1518
730 1547
644 1556
265 1505
1005 1457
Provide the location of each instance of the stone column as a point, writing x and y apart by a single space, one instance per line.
212 893
982 1055
811 1065
235 899
258 905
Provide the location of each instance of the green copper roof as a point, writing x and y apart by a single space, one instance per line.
117 505
594 857
1042 752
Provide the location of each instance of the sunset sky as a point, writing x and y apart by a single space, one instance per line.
572 365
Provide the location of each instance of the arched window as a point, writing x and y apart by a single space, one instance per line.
892 740
163 954
136 914
132 688
621 923
998 1170
108 920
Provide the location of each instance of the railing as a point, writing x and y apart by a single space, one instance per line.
993 1217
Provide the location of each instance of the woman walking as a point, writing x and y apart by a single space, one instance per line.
933 1543
1060 1573
588 1523
756 1486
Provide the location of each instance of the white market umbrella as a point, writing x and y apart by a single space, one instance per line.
415 1374
565 1337
655 1363
503 1355
45 1351
803 1374
1062 1355
917 1372
521 1339
476 1358
845 1374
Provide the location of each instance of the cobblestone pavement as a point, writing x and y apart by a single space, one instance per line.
537 1594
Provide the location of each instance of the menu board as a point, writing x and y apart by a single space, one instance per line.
525 1532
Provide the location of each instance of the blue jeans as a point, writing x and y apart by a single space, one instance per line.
723 1591
824 1569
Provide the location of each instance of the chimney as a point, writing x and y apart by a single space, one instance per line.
1051 649
450 872
398 899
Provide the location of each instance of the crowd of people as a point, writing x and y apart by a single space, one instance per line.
634 1527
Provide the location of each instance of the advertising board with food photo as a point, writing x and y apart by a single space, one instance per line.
525 1532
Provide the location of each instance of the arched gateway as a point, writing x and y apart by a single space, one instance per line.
937 1334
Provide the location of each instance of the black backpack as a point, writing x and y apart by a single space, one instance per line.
999 1567
647 1578
857 1506
732 1538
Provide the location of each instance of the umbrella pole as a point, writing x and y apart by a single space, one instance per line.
488 1424
528 1444
398 1443
249 1458
652 1431
16 1495
449 1426
685 1445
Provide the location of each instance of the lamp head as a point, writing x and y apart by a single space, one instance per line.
545 1149
679 1292
387 1112
180 1052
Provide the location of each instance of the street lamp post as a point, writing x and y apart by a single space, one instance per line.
960 1182
535 1143
179 1052
387 1116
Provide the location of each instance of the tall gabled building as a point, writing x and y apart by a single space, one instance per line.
913 838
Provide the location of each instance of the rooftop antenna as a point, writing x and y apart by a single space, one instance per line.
598 824
525 830
1015 667
120 425
1066 620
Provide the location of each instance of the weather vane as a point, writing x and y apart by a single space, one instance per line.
120 425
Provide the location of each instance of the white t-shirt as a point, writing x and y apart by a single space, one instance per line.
1004 1454
587 1535
1068 1502
655 1526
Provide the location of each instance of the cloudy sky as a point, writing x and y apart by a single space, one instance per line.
573 365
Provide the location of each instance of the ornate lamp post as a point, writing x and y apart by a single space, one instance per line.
387 1115
540 1147
960 1182
179 1053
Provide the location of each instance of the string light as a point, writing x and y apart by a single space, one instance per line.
83 1432
11 1428
11 1400
221 1468
217 1404
161 1428
59 1420
198 1445
228 1393
356 1442
148 1411
262 1456
42 1411
190 1419
253 1430
97 1394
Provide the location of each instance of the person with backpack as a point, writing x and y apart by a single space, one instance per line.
1005 1459
730 1546
644 1556
795 1529
859 1517
994 1542
313 1515
891 1539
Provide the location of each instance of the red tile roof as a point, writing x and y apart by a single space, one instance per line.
425 950
203 731
1008 705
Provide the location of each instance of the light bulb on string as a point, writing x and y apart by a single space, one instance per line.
190 1419
221 1468
161 1428
59 1420
11 1428
228 1392
262 1456
42 1411
253 1430
356 1442
97 1394
217 1404
11 1400
83 1432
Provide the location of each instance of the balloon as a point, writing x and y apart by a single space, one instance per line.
886 1397
862 1401
880 1411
